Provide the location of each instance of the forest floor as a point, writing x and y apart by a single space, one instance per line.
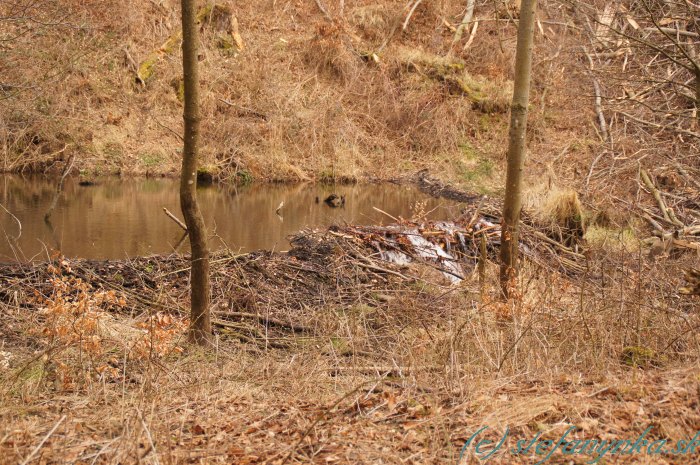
330 353
333 352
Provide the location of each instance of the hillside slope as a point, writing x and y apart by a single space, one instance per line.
291 93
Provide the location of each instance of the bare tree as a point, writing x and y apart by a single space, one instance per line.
200 325
646 51
516 147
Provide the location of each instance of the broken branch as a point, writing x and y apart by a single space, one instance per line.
175 219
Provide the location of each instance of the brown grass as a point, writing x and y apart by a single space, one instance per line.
303 100
381 369
384 371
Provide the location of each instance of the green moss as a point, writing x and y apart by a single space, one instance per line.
118 278
178 85
359 310
150 159
113 151
486 96
244 177
29 375
326 177
173 41
224 42
146 68
204 12
341 346
206 174
638 356
611 239
475 169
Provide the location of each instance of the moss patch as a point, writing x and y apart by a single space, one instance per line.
638 356
205 175
611 239
474 169
151 159
486 96
244 177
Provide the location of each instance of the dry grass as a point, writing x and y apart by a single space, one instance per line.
558 211
378 370
303 100
383 370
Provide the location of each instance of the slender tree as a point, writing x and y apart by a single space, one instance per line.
517 146
200 326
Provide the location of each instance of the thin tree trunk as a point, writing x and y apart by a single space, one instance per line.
517 147
697 95
464 24
200 325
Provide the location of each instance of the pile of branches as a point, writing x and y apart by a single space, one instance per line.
671 230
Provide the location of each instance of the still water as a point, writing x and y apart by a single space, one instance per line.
120 218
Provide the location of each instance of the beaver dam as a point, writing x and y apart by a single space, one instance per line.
358 341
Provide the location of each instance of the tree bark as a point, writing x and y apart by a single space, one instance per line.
697 95
200 324
517 146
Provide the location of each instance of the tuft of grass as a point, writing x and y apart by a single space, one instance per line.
244 177
637 356
611 239
559 211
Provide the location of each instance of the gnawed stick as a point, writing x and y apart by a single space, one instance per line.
390 216
59 188
19 223
655 224
686 244
46 438
472 35
267 320
665 211
381 270
686 175
323 10
599 111
656 125
230 328
385 370
410 13
483 258
468 14
598 100
175 219
181 241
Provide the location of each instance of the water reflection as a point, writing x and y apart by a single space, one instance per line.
121 218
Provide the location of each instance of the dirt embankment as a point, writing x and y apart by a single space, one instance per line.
289 93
